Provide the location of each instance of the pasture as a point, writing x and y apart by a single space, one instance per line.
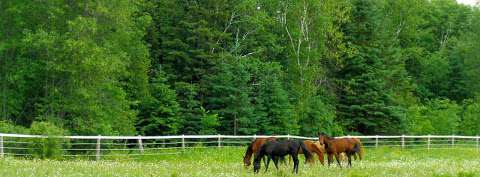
227 161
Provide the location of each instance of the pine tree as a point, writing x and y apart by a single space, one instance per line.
228 95
159 114
272 106
365 105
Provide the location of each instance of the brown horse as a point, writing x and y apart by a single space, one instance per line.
360 152
314 147
358 155
337 146
254 147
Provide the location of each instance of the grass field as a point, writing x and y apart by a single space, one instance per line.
228 162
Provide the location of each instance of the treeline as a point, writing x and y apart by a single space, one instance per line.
161 67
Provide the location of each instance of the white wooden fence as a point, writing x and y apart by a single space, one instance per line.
107 146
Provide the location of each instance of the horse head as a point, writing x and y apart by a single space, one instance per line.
322 139
246 161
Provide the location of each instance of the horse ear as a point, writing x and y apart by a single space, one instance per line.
318 134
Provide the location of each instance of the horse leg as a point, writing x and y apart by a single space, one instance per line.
275 162
349 156
337 156
295 163
265 159
312 160
268 162
330 159
282 160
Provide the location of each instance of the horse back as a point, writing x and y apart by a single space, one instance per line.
342 145
313 146
281 148
259 142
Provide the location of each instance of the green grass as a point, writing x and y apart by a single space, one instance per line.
462 162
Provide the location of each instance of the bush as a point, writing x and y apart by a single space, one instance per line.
9 127
437 116
50 147
471 117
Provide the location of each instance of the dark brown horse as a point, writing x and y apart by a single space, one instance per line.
314 147
336 146
276 150
254 147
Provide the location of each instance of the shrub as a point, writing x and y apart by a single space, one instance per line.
9 127
50 147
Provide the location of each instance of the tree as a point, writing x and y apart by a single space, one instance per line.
228 95
365 104
72 66
159 113
273 112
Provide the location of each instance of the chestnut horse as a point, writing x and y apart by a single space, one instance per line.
314 147
360 152
335 146
254 147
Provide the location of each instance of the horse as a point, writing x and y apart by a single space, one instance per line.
279 149
314 147
337 146
253 148
358 155
360 152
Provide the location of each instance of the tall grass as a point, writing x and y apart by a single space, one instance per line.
228 162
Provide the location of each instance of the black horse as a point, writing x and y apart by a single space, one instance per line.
278 149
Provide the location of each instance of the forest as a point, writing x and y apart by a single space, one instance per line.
239 67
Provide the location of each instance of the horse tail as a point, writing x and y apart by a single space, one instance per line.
360 152
358 148
306 152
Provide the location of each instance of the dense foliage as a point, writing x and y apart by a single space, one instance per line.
156 67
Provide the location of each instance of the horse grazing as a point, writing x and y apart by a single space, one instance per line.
337 146
314 147
253 148
279 149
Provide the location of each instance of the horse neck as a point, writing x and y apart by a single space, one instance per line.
329 141
259 153
249 152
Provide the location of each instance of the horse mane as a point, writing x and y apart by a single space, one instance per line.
329 137
326 136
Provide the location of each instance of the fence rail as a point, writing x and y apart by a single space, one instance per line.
106 146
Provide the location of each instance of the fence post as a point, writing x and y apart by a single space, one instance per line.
140 144
219 141
478 138
453 140
183 142
254 136
428 142
403 141
288 136
376 141
97 156
2 154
